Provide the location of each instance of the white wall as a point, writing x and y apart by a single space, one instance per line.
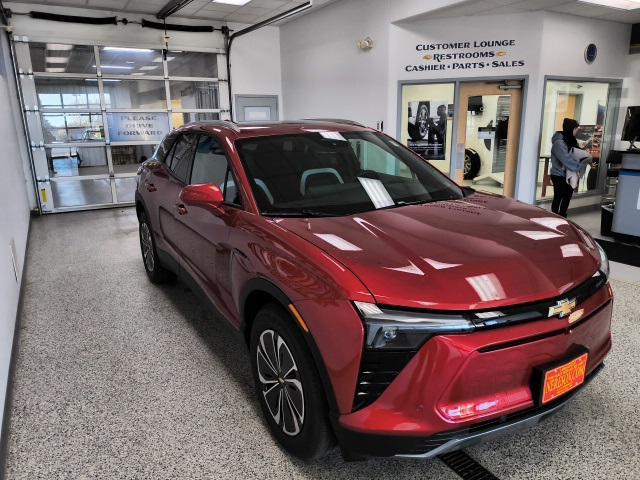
255 63
14 216
325 74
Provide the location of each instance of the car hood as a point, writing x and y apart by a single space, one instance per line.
480 252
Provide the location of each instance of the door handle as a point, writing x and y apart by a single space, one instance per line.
150 187
182 210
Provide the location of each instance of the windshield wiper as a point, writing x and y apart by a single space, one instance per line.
305 212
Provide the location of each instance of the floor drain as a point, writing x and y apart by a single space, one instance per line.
466 467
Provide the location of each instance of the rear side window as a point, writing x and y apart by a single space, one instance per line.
164 148
179 160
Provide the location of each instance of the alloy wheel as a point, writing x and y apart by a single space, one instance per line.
280 382
147 247
467 164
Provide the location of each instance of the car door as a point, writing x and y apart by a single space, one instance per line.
153 184
177 174
205 231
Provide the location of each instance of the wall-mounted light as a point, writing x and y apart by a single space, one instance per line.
365 44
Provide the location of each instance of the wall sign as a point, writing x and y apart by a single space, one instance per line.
137 127
468 55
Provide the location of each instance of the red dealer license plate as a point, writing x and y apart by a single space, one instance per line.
563 378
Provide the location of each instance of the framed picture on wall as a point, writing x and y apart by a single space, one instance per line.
427 128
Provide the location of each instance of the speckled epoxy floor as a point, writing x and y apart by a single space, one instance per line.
118 378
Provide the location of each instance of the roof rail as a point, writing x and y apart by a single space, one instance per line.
222 123
336 120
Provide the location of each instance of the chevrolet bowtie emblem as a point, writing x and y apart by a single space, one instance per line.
562 308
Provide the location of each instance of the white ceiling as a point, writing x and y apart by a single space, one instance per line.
572 7
253 12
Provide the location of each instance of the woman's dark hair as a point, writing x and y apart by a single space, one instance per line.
568 125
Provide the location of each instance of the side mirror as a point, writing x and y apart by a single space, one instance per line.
203 195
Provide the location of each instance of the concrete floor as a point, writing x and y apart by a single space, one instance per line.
118 378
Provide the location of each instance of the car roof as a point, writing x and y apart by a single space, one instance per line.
262 129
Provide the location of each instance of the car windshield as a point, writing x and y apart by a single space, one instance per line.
332 173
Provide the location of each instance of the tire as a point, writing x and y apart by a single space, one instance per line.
471 164
155 271
300 424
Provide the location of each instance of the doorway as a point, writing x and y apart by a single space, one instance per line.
488 121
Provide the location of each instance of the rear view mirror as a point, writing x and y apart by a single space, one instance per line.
204 194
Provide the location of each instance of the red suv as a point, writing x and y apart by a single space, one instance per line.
384 307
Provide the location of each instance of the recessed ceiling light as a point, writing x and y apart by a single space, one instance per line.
127 49
149 67
55 70
56 59
619 4
59 46
232 2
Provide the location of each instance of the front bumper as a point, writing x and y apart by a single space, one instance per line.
410 416
428 447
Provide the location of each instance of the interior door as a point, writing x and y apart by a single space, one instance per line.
489 119
566 107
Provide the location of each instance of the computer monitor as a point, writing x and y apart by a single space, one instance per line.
631 130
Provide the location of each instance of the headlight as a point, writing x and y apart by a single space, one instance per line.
400 330
604 261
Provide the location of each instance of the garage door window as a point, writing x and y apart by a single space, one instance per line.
123 100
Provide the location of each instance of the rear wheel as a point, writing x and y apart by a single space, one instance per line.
287 385
155 271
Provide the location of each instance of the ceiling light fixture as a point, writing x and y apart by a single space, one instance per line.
116 67
232 2
619 4
127 49
55 70
56 59
59 46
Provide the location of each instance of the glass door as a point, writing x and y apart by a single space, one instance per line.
489 117
589 103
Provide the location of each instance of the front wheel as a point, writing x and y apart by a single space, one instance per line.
287 385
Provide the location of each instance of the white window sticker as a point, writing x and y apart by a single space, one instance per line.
333 136
376 191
